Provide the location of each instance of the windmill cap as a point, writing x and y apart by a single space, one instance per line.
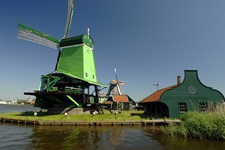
81 39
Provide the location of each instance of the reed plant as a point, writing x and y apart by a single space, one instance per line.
208 125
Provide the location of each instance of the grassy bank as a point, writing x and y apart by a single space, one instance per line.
210 125
107 116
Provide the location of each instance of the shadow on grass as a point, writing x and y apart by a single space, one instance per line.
141 115
34 113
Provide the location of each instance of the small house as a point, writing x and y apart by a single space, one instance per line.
190 95
120 102
116 100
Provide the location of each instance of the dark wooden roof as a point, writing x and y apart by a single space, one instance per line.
156 95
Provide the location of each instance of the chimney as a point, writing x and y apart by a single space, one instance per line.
178 80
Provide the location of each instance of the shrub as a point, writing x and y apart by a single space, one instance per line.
209 125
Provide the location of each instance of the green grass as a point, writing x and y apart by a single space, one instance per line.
107 116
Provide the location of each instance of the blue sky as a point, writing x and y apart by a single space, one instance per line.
147 41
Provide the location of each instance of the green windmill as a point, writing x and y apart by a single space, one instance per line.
74 82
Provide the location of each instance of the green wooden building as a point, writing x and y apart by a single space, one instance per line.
189 95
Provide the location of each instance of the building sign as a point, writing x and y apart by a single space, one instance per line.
191 89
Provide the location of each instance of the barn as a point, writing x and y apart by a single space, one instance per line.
189 95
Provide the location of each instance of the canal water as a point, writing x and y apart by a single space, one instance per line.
31 137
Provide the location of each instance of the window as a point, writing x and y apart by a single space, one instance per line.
182 107
86 74
203 106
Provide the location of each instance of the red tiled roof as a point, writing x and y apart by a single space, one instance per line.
156 95
120 98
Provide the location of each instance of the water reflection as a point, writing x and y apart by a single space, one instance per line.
107 137
96 138
181 143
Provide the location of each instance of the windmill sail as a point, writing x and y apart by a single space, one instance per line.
69 17
114 88
32 35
